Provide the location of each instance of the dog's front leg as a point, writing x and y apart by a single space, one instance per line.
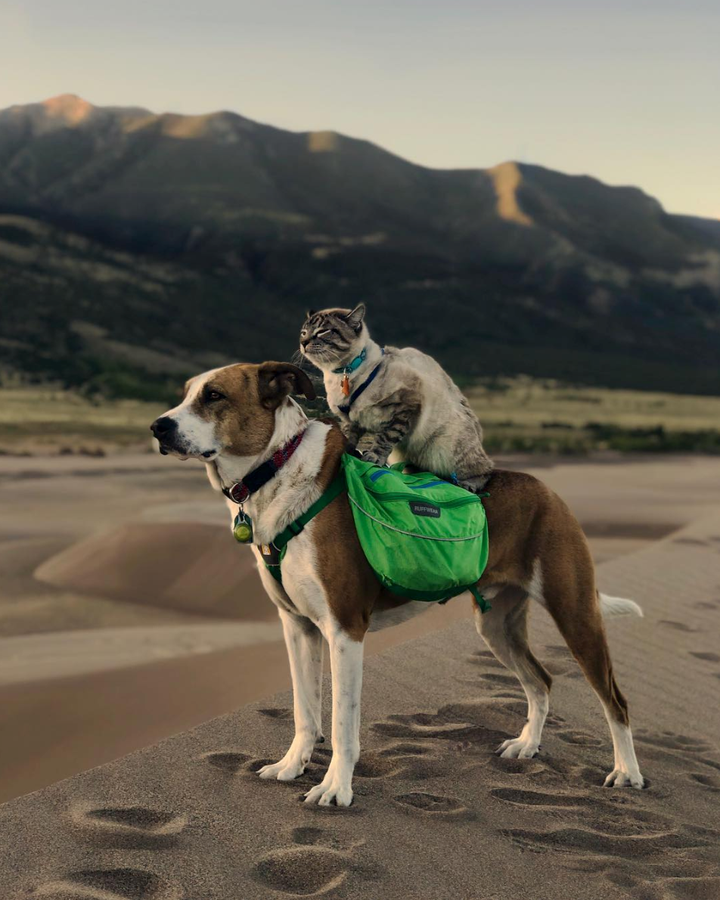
305 650
346 660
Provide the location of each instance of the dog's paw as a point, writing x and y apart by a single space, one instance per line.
291 766
518 748
621 778
332 787
281 771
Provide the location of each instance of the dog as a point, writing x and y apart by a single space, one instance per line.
241 420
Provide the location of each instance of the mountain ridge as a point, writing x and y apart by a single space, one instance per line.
536 269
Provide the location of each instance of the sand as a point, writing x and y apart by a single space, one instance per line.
437 816
106 605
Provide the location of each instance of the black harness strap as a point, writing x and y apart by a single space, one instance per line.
345 408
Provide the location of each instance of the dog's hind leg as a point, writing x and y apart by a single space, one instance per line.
504 629
568 592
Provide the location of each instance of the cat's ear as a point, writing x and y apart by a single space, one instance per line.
356 317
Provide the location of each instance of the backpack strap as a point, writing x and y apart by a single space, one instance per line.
480 600
276 551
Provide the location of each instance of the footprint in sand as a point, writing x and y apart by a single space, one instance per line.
679 749
397 759
484 658
693 542
370 765
229 761
136 827
484 723
538 798
557 650
678 626
590 840
711 782
579 738
691 889
306 835
110 884
669 740
502 680
273 712
706 657
705 604
433 804
317 862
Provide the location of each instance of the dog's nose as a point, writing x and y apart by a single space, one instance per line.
163 426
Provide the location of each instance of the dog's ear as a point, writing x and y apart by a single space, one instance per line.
278 379
356 317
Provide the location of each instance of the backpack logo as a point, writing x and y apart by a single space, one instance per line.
419 508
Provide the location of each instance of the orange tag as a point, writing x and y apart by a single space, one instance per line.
345 386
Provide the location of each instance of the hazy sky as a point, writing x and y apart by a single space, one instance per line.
626 90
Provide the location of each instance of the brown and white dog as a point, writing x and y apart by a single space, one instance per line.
236 417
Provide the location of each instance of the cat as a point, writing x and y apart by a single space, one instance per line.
394 398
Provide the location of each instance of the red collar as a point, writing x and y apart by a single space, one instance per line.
253 481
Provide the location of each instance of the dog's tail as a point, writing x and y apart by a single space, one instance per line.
618 606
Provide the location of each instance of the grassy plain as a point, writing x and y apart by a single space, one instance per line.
518 414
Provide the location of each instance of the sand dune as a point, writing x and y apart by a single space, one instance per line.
181 565
436 814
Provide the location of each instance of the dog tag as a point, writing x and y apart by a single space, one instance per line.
345 386
242 529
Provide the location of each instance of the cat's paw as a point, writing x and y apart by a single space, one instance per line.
371 457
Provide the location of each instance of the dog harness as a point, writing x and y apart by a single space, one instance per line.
424 538
273 554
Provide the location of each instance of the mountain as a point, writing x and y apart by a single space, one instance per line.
136 248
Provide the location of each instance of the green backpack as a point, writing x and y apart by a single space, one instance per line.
425 538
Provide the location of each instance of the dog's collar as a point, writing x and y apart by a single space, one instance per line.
254 480
351 366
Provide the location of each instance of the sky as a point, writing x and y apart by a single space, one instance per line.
626 91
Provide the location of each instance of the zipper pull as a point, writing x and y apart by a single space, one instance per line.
345 386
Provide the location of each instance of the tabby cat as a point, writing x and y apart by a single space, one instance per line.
388 398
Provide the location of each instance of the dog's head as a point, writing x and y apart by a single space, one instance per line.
229 410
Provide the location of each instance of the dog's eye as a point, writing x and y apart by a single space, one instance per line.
213 396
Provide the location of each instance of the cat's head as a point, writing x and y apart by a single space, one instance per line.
332 337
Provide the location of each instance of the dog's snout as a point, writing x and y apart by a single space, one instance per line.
163 426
